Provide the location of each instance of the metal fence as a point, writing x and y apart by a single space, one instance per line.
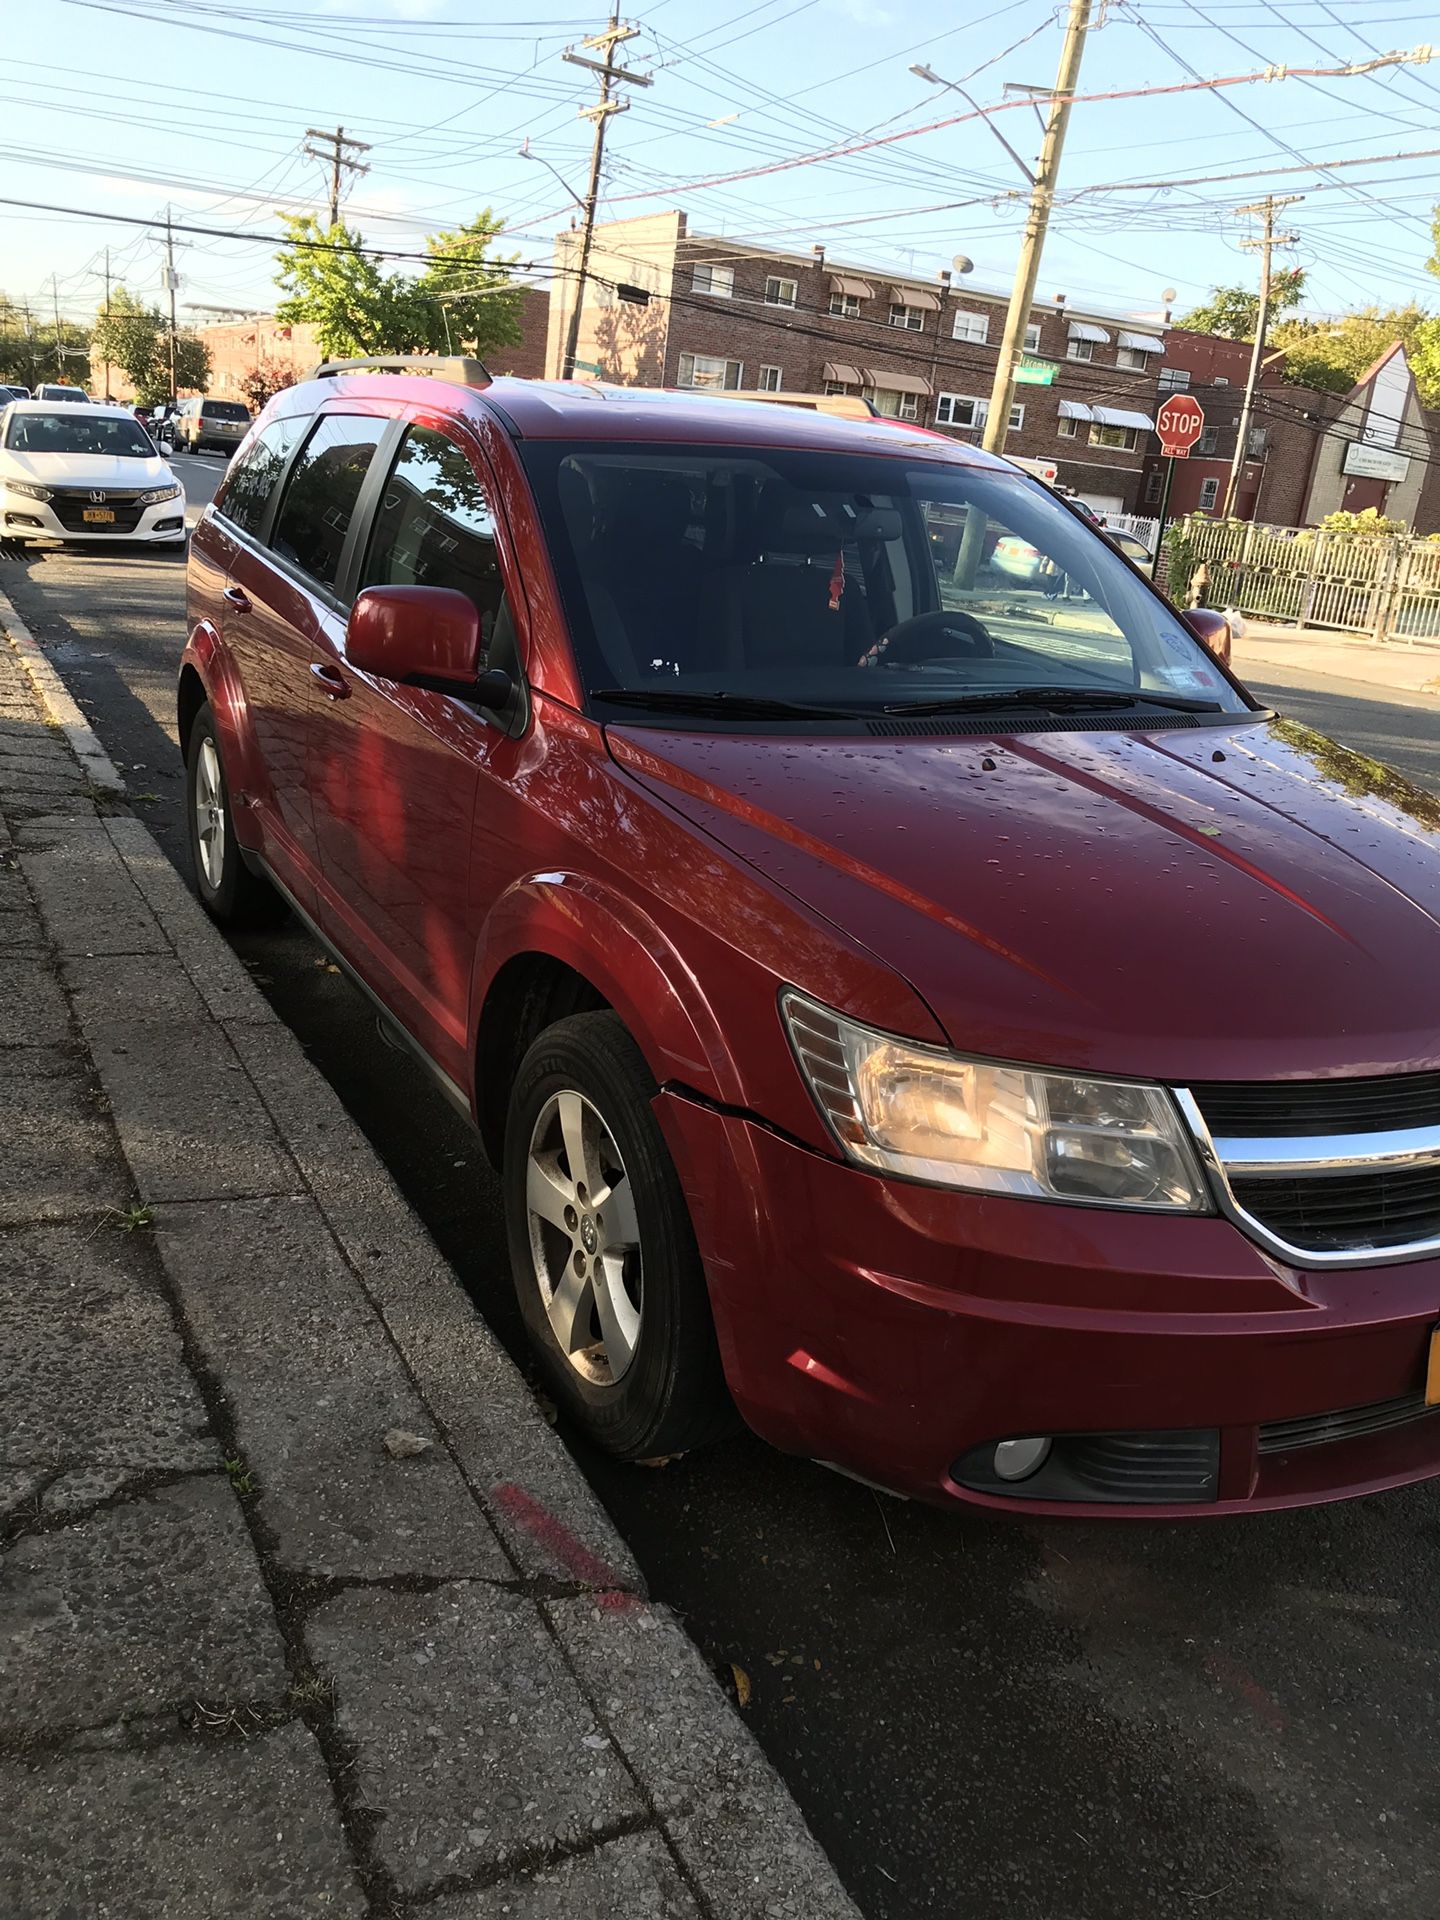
1139 524
1358 583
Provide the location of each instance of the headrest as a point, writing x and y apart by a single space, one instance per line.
824 526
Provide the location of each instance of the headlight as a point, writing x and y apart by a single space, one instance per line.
28 489
930 1115
157 494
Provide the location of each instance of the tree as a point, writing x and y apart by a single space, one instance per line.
27 347
1233 311
261 384
1333 354
1425 357
463 297
136 338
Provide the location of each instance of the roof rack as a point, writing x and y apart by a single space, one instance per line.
461 372
844 406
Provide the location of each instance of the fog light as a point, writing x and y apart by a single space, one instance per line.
1018 1459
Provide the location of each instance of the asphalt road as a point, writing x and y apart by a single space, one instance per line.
981 1722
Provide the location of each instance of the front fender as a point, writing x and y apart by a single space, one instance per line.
607 939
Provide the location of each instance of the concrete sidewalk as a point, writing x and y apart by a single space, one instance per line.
303 1608
1396 666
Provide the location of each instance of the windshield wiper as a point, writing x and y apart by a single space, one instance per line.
1052 699
743 706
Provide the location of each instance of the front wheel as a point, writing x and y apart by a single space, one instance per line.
601 1246
229 891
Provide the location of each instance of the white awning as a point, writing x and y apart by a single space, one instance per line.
913 297
884 381
1082 330
846 283
1075 410
846 376
1123 417
1141 342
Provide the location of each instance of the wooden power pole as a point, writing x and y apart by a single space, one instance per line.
340 146
1265 247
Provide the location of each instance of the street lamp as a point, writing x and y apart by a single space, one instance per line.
936 80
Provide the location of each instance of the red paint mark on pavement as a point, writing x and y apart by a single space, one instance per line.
568 1551
1264 1704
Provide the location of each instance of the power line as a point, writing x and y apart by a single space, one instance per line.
338 159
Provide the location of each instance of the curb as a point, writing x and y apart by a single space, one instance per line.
146 968
59 703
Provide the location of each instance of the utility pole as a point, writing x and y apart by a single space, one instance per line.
614 35
107 322
338 158
172 281
59 346
1265 247
1027 267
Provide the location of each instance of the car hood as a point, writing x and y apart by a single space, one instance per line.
1234 902
100 470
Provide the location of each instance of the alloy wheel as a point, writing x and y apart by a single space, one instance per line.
210 813
584 1238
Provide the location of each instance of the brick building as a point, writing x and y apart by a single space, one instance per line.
665 307
1310 453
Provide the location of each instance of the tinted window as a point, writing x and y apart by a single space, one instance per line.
255 473
324 485
225 410
434 527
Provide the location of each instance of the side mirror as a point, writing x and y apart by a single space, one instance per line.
423 637
1211 627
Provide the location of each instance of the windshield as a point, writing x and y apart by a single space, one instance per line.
118 434
859 582
225 410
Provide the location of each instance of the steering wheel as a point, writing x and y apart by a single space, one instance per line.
931 636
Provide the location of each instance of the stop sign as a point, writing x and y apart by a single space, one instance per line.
1180 423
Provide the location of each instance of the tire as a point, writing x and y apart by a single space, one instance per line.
229 892
669 1394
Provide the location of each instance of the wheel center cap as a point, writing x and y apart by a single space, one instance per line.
589 1239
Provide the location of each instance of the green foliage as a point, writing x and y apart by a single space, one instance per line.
261 385
462 297
1233 311
1333 354
1370 523
136 338
27 347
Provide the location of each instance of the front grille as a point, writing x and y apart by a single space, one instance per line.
1351 1423
1293 1109
70 509
1145 1466
1338 1212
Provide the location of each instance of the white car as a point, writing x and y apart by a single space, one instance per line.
85 474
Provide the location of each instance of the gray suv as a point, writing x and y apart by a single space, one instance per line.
211 423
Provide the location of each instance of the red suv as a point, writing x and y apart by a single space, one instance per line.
926 1006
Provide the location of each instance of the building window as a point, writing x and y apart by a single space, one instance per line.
897 406
1081 350
1130 361
1032 337
1208 441
836 386
1174 379
971 326
780 293
1122 437
1069 429
963 410
709 370
912 318
1255 442
845 306
717 280
770 378
1153 482
1209 491
1219 383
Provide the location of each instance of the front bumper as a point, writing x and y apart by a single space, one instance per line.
22 518
898 1331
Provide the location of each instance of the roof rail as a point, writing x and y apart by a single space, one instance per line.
455 368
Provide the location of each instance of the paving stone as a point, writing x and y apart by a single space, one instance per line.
90 902
236 1830
20 937
634 1876
314 1384
470 1735
59 1155
56 776
34 750
109 989
730 1817
139 1609
33 1012
93 1373
545 1511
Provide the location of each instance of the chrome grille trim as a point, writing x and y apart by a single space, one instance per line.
1255 1158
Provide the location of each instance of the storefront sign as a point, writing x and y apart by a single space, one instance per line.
1375 463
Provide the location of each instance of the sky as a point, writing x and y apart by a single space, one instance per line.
117 108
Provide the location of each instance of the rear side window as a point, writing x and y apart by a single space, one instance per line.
224 410
325 483
435 527
255 474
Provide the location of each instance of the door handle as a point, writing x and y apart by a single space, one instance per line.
332 681
238 599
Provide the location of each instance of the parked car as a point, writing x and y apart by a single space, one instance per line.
9 393
93 474
963 1031
53 391
221 424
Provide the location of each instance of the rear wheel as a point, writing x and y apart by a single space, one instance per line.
229 891
601 1246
